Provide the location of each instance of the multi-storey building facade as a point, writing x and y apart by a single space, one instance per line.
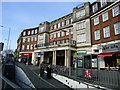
105 22
89 29
26 43
82 34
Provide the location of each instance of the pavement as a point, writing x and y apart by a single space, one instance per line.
53 81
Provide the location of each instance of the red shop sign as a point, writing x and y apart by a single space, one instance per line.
26 54
87 73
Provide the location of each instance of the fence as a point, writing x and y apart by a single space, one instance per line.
110 79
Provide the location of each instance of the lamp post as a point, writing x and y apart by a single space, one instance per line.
8 35
69 52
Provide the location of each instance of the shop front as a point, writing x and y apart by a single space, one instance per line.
111 56
26 57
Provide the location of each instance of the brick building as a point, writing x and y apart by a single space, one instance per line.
89 29
105 22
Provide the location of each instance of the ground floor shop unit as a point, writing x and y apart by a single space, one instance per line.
62 56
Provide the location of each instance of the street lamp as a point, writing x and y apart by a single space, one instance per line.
8 35
69 52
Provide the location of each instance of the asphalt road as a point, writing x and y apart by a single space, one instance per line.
52 80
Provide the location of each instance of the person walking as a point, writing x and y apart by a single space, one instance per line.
42 70
49 69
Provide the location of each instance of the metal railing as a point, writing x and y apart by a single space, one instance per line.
109 79
58 42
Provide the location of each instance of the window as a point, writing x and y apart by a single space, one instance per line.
80 13
58 42
103 3
58 25
116 11
81 37
63 33
27 47
62 23
105 16
31 47
96 21
28 39
81 25
54 35
106 31
97 34
67 33
95 7
71 31
23 47
35 31
32 32
34 46
24 33
117 28
58 34
55 26
24 40
41 29
67 21
32 39
35 38
41 37
28 32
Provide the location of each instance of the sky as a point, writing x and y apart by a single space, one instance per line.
18 16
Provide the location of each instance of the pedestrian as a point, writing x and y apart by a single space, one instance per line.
42 70
49 69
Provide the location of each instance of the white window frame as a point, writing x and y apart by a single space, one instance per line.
116 11
68 32
81 25
35 38
32 32
63 33
55 26
71 31
106 31
28 32
41 29
58 34
28 40
103 3
28 47
58 25
105 16
95 7
31 47
97 34
24 39
23 47
24 33
54 35
67 22
34 46
117 28
35 31
80 13
81 37
96 20
63 23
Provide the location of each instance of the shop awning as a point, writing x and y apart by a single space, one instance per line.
26 54
108 54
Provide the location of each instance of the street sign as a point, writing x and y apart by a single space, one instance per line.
40 54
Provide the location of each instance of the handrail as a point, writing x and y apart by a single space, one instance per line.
9 82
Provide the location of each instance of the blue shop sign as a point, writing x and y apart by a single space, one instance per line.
40 54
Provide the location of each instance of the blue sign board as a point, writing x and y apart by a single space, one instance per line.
40 54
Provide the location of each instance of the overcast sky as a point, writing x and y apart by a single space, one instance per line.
22 15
